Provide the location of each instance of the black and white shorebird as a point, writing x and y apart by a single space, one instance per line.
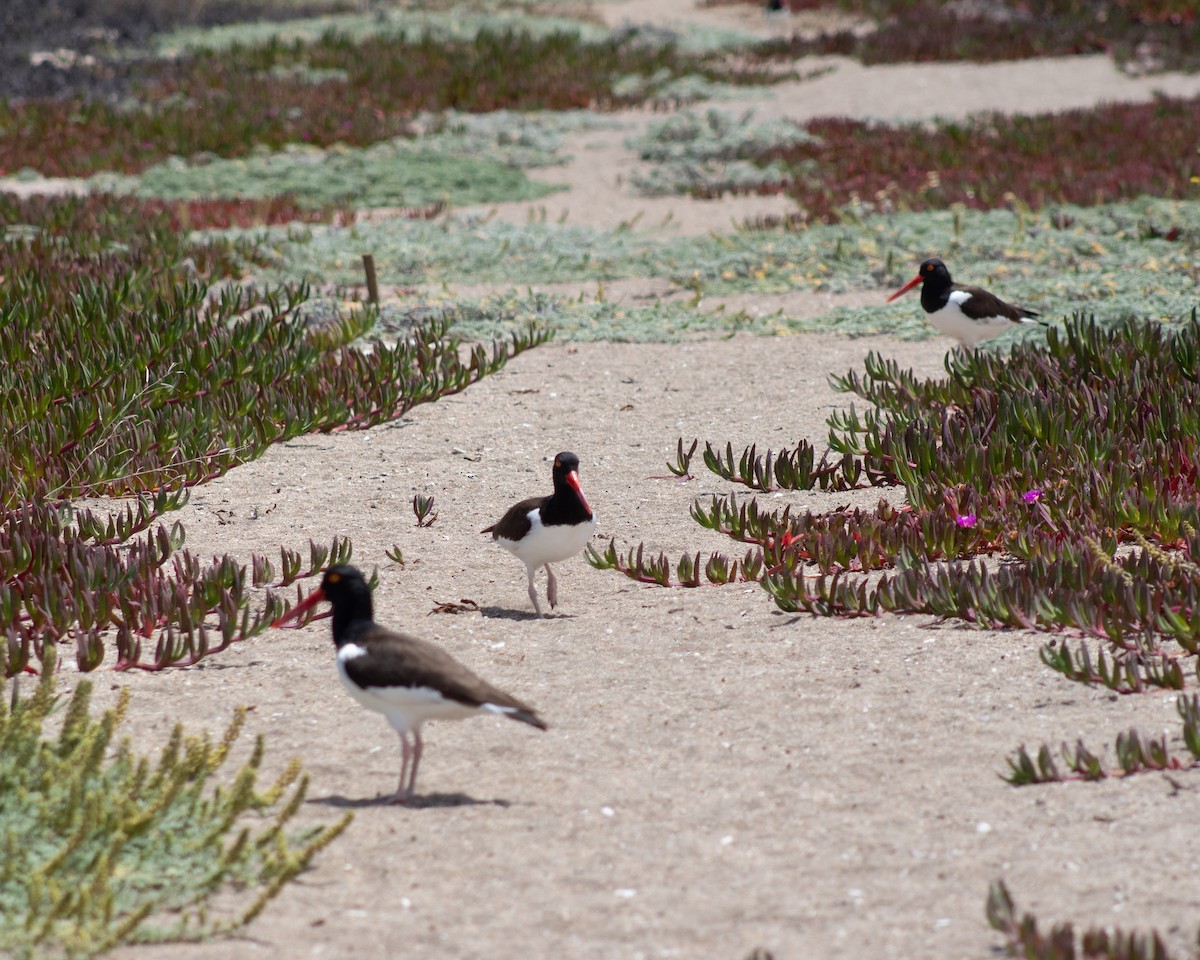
408 680
544 530
968 314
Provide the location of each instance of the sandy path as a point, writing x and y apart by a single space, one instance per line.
794 304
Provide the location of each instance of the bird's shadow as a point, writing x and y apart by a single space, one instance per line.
503 613
416 803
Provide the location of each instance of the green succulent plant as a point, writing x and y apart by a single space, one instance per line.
103 847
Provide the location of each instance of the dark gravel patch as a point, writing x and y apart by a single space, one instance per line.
91 33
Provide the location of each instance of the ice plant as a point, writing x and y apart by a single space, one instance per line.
230 102
1024 939
796 469
993 436
851 166
106 847
1150 34
424 509
683 460
1129 671
143 382
1135 753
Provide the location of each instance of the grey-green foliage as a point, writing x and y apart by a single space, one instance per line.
449 21
1111 261
690 37
102 846
715 134
460 22
709 151
390 174
304 73
707 177
585 318
517 138
459 158
664 86
457 249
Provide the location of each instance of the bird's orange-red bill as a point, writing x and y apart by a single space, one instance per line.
573 480
904 289
301 608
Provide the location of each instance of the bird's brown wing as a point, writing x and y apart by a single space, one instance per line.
395 659
515 522
983 305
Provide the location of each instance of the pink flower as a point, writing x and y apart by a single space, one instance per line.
1031 496
965 520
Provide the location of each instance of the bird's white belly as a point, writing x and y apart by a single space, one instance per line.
951 321
542 545
406 708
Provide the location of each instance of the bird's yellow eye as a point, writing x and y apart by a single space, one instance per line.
334 577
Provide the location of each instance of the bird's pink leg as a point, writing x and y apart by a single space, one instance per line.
551 587
533 591
404 792
418 749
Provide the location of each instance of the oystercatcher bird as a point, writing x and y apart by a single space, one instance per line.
543 530
969 314
408 680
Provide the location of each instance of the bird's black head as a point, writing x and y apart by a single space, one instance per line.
349 594
564 464
346 586
566 480
933 268
934 280
346 590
